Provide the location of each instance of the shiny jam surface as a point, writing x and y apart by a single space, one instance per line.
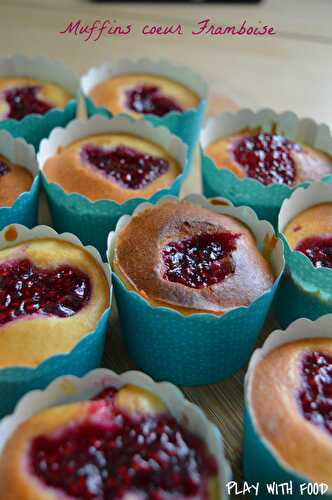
4 168
318 249
112 454
316 392
23 101
267 158
25 289
201 260
128 167
148 99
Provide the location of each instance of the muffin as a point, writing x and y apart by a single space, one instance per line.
122 444
289 398
52 294
140 94
310 232
22 96
270 158
189 258
193 284
14 180
114 166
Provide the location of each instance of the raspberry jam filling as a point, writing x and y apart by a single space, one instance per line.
148 99
118 454
25 289
106 394
201 260
316 393
267 158
4 168
23 101
318 249
128 167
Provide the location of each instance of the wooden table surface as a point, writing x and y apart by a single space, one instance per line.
289 70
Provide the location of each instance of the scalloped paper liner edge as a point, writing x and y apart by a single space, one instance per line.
262 230
19 152
97 124
40 67
304 130
42 231
69 388
179 73
300 329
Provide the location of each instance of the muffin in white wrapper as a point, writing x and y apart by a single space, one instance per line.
69 389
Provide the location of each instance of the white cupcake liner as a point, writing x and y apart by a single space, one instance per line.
19 152
38 232
78 129
301 199
304 130
69 389
41 68
300 329
110 69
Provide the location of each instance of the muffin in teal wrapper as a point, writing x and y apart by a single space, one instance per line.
92 220
185 124
267 199
262 461
306 287
193 348
18 159
18 378
37 125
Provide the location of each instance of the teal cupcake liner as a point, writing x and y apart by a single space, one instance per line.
260 462
200 348
33 128
90 220
265 200
86 355
69 389
185 125
25 208
309 289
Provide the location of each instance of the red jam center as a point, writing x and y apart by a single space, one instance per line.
23 101
267 158
106 394
25 289
318 249
148 99
316 392
4 168
105 458
128 167
201 260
